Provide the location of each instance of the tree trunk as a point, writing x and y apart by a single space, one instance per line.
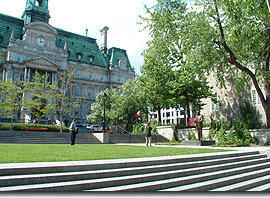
159 114
265 100
61 123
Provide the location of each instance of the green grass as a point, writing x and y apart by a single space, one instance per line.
24 153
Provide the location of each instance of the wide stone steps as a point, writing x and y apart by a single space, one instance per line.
35 137
201 172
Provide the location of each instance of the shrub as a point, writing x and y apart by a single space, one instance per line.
192 136
22 127
236 136
251 117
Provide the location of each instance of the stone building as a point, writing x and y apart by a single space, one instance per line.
31 44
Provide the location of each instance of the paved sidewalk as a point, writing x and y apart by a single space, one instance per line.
264 149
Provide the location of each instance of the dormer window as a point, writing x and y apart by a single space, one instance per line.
68 52
91 59
1 39
79 57
123 63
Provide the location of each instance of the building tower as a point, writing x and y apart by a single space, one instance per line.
36 10
104 47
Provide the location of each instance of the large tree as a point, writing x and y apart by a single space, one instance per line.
167 78
232 38
228 37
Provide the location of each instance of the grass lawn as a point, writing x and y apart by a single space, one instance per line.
24 153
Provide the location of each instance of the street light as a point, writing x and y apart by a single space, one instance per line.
104 100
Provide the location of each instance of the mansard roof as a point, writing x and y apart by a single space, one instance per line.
7 25
78 44
75 43
116 54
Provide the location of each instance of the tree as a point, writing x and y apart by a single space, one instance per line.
121 105
129 101
232 38
228 37
63 103
156 81
11 99
168 78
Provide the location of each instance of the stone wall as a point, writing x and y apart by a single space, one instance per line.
263 135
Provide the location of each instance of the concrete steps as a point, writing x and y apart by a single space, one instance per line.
228 171
35 137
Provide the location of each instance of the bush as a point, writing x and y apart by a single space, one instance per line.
22 127
251 117
192 136
238 135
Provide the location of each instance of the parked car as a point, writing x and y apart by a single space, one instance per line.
37 121
83 128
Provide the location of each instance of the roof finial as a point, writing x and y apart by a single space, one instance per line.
86 31
12 34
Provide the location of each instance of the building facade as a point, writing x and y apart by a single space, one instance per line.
31 45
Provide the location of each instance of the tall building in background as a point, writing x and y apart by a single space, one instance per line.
31 45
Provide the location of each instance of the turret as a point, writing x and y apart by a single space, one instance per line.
36 10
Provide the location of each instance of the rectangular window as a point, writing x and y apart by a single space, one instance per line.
91 76
78 90
168 114
90 92
182 112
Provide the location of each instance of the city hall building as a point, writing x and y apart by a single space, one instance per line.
31 45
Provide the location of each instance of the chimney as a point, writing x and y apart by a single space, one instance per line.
104 32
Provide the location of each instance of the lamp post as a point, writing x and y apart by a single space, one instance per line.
104 100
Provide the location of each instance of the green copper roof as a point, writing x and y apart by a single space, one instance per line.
116 54
78 44
7 25
75 43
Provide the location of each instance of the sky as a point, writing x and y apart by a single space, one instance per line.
121 16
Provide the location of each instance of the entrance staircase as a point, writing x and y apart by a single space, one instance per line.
227 171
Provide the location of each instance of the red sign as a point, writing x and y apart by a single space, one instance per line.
192 122
138 116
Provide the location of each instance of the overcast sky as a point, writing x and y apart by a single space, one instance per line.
121 16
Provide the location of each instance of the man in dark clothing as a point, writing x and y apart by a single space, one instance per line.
73 130
148 130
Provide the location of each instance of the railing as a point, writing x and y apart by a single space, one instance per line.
125 132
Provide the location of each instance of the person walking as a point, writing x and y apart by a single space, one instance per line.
73 130
199 124
148 130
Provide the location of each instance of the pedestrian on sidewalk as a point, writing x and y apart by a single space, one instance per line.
148 130
199 124
73 129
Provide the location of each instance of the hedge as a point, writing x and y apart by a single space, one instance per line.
22 127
